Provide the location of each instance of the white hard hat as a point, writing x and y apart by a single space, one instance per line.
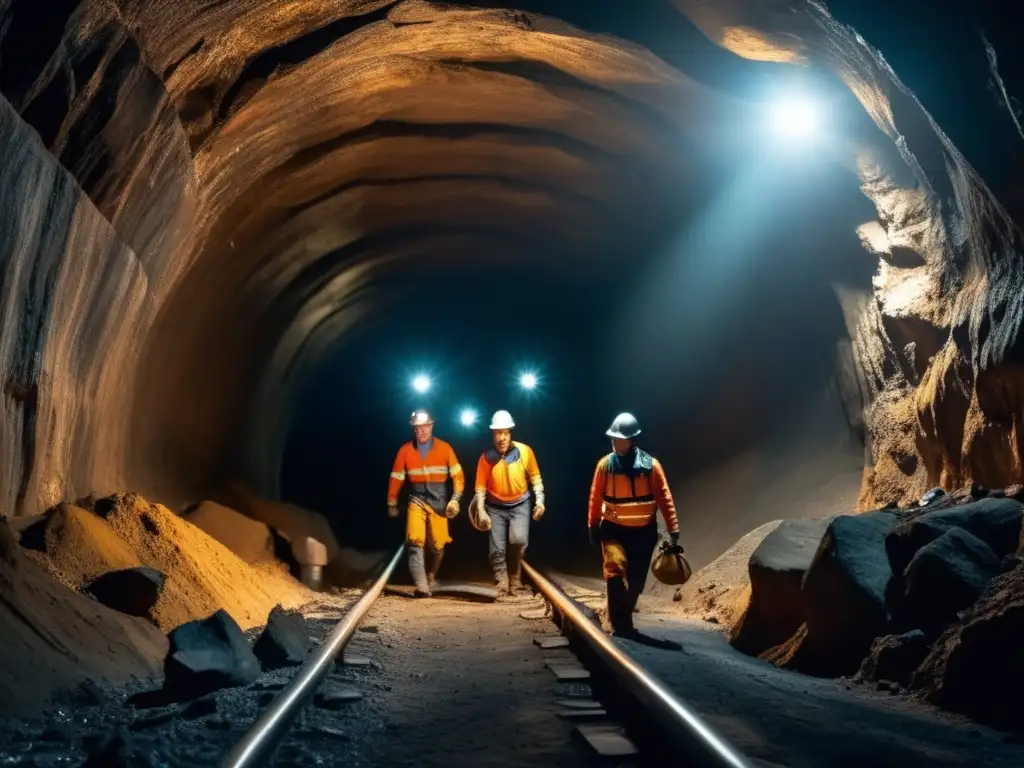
625 426
419 418
502 420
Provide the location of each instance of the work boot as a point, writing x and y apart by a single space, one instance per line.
620 613
515 585
418 572
501 583
435 566
515 582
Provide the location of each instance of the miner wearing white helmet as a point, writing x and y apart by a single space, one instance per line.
628 489
505 474
427 463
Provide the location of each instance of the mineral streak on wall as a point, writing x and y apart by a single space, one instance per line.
195 198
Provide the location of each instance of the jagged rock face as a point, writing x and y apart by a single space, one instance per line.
198 198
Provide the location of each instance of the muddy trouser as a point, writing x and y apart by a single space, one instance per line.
425 527
626 552
510 535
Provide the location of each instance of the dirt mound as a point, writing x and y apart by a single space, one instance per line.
203 575
53 638
250 539
718 592
76 546
291 521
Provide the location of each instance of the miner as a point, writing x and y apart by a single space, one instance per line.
505 474
629 487
426 463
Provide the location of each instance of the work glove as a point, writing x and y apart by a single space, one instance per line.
392 510
538 512
592 533
674 538
452 509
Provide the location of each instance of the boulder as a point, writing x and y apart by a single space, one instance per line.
290 520
844 594
206 655
977 667
946 576
895 657
250 539
129 590
284 642
995 521
777 568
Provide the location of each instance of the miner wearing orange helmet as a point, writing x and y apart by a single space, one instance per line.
426 463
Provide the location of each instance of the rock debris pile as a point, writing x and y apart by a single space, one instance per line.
929 599
107 590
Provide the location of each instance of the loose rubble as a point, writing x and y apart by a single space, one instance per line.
929 599
284 642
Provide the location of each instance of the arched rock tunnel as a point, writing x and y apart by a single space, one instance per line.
230 229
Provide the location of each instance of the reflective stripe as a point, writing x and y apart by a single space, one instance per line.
398 475
456 469
429 471
640 503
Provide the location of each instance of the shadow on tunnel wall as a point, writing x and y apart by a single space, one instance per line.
721 339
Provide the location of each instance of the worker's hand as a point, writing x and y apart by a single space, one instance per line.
674 538
452 509
592 534
392 510
538 512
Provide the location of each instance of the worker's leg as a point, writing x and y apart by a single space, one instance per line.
437 538
639 551
498 546
415 539
614 565
518 540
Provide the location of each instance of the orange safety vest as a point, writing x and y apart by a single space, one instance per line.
631 495
428 475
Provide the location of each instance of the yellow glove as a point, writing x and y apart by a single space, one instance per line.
392 510
452 509
538 512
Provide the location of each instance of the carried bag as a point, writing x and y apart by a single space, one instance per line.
669 566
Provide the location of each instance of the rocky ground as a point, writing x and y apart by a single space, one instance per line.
428 683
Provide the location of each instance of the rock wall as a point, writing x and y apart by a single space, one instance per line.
196 198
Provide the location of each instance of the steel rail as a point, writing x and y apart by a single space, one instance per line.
264 735
684 727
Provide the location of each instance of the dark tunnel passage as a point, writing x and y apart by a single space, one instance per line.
749 311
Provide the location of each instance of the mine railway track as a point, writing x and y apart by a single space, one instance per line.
650 711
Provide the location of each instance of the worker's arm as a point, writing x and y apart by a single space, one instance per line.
536 481
397 478
457 475
597 493
663 494
482 473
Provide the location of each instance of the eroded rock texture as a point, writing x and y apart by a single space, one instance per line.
198 198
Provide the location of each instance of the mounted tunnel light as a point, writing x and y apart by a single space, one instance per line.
793 118
421 383
468 417
528 380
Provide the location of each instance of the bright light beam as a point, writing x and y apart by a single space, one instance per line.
421 383
467 417
528 381
793 118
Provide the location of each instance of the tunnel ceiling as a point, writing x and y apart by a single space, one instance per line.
249 167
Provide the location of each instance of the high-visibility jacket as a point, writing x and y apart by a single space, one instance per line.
628 490
426 475
507 479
